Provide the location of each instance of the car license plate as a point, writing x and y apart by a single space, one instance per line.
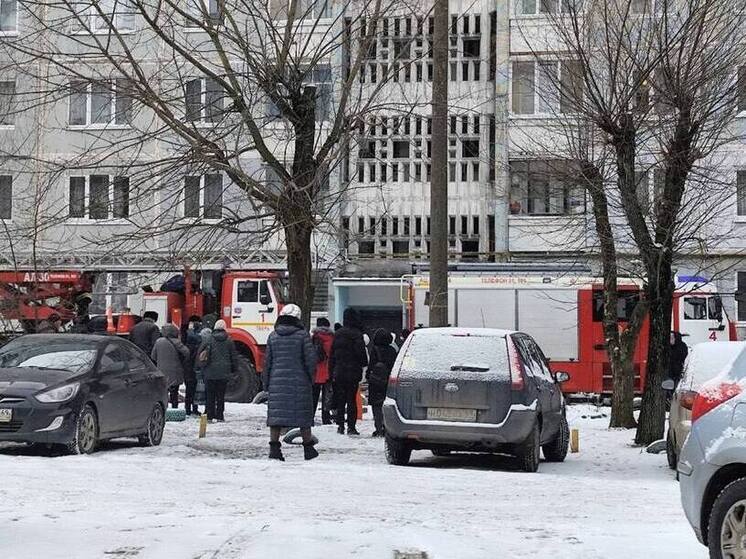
451 414
6 415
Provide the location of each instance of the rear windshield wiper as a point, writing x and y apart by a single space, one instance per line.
470 368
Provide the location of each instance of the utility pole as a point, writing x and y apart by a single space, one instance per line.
439 162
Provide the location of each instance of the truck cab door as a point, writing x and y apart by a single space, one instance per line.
253 308
701 318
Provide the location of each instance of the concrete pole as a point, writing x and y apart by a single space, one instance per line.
439 183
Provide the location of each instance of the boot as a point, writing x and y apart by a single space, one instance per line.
341 429
275 452
309 452
352 431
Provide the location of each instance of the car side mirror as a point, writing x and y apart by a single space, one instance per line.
264 299
668 384
561 376
114 367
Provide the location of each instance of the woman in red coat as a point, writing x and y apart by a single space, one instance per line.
322 338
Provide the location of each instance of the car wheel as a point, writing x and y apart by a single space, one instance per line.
156 424
528 452
86 432
673 460
556 450
398 451
726 529
243 385
441 452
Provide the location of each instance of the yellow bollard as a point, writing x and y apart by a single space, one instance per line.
202 426
574 441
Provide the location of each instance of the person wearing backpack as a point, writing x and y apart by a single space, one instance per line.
322 338
172 358
382 357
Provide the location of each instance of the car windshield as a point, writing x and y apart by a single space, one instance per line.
73 357
436 355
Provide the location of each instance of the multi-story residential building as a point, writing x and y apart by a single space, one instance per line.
507 199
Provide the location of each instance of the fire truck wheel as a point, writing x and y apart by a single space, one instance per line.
556 450
244 384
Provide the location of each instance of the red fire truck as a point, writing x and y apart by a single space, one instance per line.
248 301
564 313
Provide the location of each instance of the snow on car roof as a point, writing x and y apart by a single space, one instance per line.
456 331
708 360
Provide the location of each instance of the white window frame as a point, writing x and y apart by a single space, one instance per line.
114 90
201 217
11 32
196 12
86 219
90 16
554 102
203 116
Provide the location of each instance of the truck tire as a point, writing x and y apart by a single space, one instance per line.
398 451
528 451
244 384
556 449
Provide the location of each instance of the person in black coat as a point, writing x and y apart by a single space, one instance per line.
679 351
346 363
289 371
382 357
146 332
192 340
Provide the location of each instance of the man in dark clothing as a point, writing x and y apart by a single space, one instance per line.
146 333
218 360
346 363
52 325
679 351
382 357
192 340
289 369
322 338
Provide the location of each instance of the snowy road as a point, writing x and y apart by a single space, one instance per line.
220 498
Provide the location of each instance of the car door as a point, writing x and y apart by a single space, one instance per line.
112 386
553 411
533 359
143 385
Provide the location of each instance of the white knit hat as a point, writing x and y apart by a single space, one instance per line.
219 325
291 310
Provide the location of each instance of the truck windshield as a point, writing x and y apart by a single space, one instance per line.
434 355
280 287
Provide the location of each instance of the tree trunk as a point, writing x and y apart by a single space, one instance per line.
439 183
660 296
298 240
622 398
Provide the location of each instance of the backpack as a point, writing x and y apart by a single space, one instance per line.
321 355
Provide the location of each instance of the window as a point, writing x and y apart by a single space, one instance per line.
99 197
523 87
544 188
529 7
464 224
742 88
203 196
471 48
741 296
6 197
103 16
626 302
204 100
741 192
452 225
643 190
204 11
470 148
8 16
366 247
695 308
321 77
315 9
7 98
401 149
100 103
247 292
571 86
400 247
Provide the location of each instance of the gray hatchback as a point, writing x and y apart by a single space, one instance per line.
475 390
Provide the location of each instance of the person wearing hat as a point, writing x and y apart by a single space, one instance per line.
218 362
146 332
289 371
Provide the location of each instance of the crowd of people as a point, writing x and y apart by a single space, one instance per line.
302 370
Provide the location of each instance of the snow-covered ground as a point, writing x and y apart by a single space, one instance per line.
220 498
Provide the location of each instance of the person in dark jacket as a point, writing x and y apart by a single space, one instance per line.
172 358
679 351
218 362
289 369
346 364
322 338
146 332
382 357
192 340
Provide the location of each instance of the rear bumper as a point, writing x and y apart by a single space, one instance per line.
514 429
695 474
